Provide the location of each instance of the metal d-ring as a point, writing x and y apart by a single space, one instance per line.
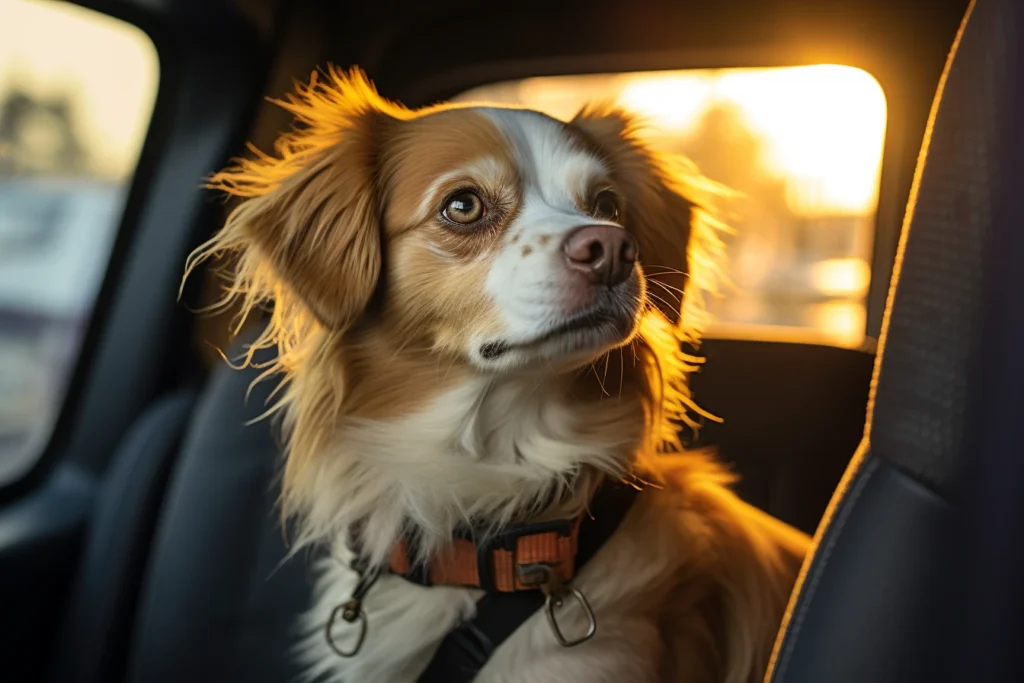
554 601
350 612
550 581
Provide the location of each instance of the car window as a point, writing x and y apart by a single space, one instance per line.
801 148
76 92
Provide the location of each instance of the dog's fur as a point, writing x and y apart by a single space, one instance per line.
397 420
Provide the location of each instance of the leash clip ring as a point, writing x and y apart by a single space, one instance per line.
349 612
555 601
556 592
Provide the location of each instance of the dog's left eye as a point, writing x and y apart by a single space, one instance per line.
464 208
605 206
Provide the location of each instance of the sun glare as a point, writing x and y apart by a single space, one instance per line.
841 277
674 102
824 126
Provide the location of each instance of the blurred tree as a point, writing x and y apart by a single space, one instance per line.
38 136
728 151
763 248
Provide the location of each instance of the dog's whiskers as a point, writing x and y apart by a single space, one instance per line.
600 382
664 270
673 291
662 300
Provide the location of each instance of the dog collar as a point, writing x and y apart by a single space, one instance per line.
521 557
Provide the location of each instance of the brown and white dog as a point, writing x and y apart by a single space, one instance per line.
478 315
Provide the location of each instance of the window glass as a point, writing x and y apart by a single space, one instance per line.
76 93
800 146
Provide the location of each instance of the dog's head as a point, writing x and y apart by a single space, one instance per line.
501 238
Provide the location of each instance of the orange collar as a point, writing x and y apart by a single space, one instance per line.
522 557
518 559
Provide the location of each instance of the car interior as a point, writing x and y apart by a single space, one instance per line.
140 538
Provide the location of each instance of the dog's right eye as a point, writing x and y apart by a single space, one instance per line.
464 208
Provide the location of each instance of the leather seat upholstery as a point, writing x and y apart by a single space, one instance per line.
220 599
878 597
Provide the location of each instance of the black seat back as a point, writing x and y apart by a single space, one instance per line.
96 631
219 603
878 600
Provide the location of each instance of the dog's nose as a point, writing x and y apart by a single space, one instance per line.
604 253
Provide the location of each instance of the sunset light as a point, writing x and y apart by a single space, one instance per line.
841 276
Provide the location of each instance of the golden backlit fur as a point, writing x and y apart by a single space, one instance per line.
391 420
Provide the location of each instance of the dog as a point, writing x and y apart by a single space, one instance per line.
480 316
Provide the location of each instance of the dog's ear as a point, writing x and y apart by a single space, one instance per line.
308 232
656 211
320 230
